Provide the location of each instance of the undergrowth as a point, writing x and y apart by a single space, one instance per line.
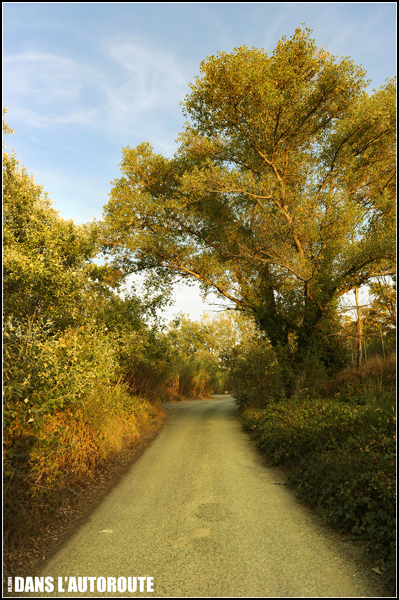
341 452
66 413
74 399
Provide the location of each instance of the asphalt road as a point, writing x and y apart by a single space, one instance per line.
201 515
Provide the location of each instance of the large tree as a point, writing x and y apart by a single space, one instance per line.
280 196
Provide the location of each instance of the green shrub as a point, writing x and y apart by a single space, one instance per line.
254 374
46 370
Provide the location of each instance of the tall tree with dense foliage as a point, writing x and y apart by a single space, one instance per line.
280 197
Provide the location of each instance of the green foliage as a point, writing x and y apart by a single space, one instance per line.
47 270
254 374
281 196
202 349
145 359
341 455
46 370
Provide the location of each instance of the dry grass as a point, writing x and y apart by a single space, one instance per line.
70 451
381 370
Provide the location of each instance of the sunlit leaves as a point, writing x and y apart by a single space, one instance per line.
46 264
281 194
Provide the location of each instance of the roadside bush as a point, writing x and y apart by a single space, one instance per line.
72 443
66 411
254 374
46 369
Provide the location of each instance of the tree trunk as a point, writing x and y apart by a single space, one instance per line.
359 328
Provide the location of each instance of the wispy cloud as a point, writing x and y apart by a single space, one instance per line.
152 76
53 86
148 85
130 90
44 120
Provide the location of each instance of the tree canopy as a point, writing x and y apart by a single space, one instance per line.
47 268
281 195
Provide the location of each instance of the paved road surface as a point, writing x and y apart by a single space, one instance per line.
202 516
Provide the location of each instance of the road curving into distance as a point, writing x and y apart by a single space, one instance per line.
200 515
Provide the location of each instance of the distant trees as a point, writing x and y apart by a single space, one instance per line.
203 348
280 198
382 310
370 328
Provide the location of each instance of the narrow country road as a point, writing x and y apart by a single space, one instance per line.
200 514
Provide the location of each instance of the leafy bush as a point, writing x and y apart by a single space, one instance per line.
65 413
46 370
254 374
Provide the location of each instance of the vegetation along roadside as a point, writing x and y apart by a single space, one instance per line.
340 449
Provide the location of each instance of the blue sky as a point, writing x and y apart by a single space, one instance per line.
83 80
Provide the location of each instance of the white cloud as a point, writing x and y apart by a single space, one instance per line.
147 87
52 86
130 90
46 120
